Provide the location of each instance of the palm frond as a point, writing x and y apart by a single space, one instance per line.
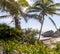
33 9
56 13
53 13
57 4
4 16
51 1
53 22
30 15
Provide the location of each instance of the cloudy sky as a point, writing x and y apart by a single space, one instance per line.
34 23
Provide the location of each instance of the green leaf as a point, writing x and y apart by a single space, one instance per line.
57 4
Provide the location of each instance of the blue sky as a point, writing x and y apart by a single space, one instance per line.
35 24
47 24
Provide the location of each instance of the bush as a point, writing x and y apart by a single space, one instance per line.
57 48
30 36
7 33
27 48
15 47
12 39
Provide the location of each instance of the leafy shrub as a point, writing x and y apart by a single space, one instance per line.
57 48
15 47
7 33
12 39
30 35
27 48
10 46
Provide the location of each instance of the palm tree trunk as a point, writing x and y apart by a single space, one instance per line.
41 27
40 31
17 23
41 22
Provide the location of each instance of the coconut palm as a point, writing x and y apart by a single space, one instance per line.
14 9
44 8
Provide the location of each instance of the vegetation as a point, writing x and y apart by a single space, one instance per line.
14 9
44 8
26 48
7 33
15 40
30 35
9 36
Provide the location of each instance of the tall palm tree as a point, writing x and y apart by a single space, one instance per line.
14 8
44 8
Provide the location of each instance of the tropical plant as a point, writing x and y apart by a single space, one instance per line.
15 47
44 8
10 47
14 9
57 48
30 35
37 48
8 33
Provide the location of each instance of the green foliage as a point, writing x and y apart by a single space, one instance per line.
15 47
57 48
30 35
10 45
26 48
16 41
7 33
9 5
14 9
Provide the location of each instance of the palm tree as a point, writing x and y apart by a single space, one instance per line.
14 8
44 8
